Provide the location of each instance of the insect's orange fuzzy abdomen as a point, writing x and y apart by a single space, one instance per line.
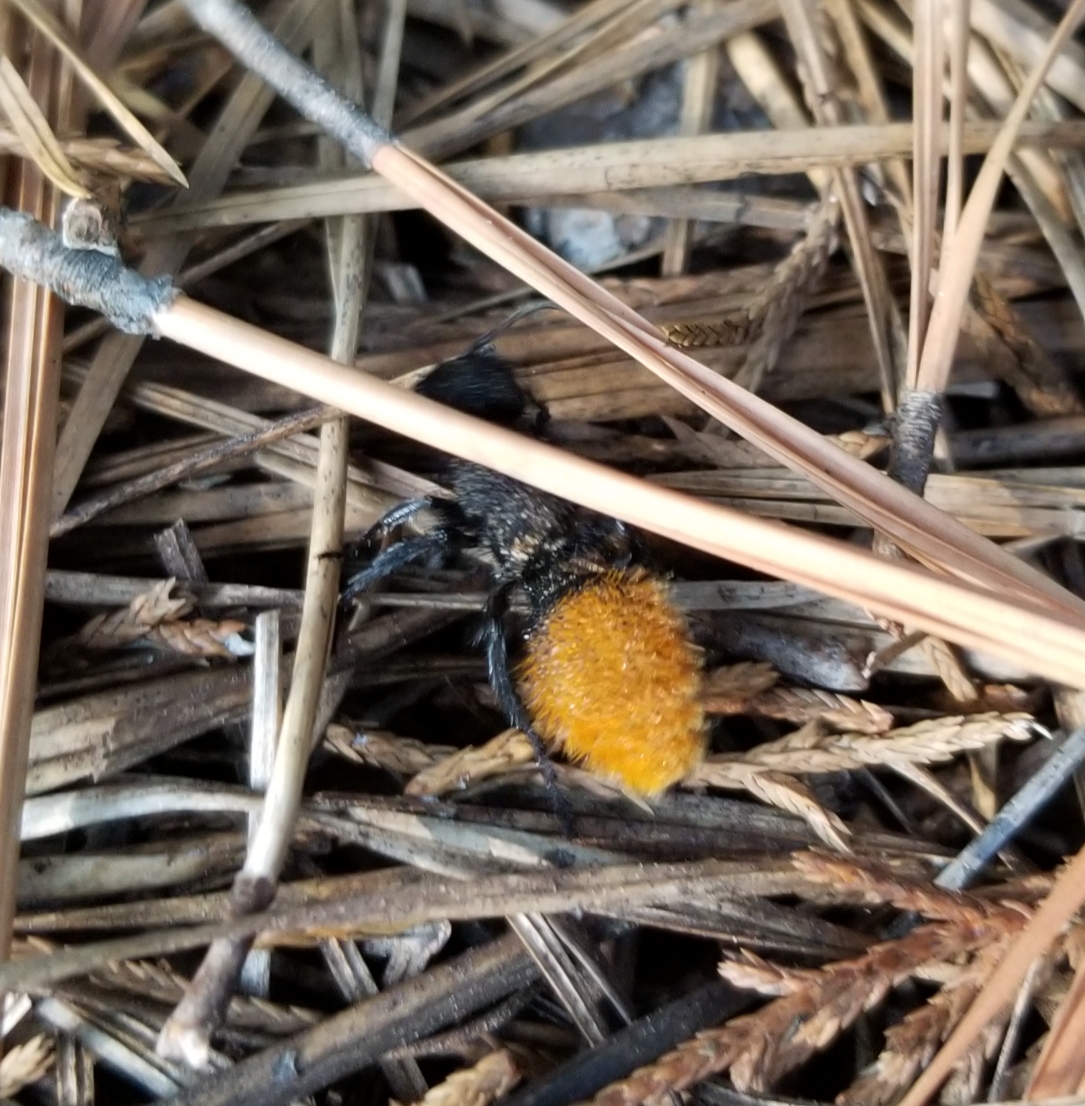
612 679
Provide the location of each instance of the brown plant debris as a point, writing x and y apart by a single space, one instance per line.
768 320
485 1081
156 981
777 310
815 1006
156 618
25 1063
402 756
768 770
867 882
100 155
1043 386
701 333
798 705
738 683
911 1043
930 742
501 754
139 618
784 791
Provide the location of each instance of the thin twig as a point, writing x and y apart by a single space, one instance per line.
196 461
1041 788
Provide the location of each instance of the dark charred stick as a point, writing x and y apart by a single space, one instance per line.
362 1034
638 1044
914 430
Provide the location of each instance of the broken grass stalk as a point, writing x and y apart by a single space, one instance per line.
187 1032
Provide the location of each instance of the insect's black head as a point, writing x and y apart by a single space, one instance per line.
478 383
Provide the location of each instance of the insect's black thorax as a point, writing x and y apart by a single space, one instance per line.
545 543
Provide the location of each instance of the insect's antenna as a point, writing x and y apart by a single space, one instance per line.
520 313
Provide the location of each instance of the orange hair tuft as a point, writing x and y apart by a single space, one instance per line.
611 678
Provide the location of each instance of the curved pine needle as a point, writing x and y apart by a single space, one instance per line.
49 26
932 537
34 132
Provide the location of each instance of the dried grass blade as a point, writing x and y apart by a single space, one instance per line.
927 120
99 155
869 85
30 124
465 128
928 534
54 31
608 35
822 95
1022 32
959 257
603 169
1034 635
410 901
959 12
33 333
188 1030
115 356
563 975
576 24
112 23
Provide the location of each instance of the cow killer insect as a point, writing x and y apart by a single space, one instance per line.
607 674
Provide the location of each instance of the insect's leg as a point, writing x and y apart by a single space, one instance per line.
350 554
399 514
497 662
432 546
508 698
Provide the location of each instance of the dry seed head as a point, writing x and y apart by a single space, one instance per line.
611 678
